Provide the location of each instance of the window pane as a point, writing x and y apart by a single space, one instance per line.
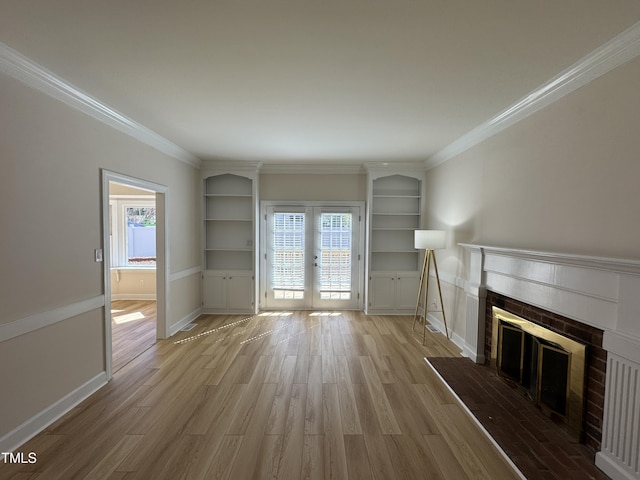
335 256
141 235
288 255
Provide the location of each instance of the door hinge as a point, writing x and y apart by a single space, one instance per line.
358 296
358 257
265 294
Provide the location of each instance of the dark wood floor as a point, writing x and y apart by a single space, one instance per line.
540 448
299 396
133 330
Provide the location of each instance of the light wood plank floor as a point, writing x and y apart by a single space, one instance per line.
133 329
345 396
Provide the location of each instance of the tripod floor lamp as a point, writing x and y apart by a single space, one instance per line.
429 240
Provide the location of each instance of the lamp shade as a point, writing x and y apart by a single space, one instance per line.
430 239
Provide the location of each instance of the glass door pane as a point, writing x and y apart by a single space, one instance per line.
335 259
312 257
287 258
334 264
288 275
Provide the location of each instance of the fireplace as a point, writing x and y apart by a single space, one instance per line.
548 367
592 300
583 424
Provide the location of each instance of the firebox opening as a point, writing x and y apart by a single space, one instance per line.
549 367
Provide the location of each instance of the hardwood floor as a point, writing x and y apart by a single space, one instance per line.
273 396
133 329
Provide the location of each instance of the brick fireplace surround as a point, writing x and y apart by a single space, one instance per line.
596 356
594 300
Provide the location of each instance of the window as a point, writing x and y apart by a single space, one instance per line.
288 251
140 241
133 232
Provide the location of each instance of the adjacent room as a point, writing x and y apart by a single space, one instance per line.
383 240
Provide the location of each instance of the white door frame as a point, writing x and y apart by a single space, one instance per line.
162 256
265 204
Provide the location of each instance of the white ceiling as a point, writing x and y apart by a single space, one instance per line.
302 80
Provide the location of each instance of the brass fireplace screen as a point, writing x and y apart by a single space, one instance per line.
549 366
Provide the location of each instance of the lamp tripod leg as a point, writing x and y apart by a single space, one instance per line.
426 292
444 318
415 316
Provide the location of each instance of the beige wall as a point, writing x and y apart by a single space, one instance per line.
133 284
313 187
49 233
564 179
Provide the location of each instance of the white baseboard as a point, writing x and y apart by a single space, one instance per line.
36 424
454 337
612 469
471 354
175 328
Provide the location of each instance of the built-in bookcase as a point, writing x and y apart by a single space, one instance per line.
395 214
228 223
229 239
395 206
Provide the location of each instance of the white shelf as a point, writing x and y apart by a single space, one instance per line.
395 214
228 223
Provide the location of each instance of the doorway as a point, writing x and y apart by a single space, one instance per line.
135 267
312 256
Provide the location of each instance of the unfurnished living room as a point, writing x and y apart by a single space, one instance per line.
347 240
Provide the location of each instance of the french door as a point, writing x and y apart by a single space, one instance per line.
312 257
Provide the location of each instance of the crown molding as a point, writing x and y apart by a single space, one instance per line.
226 164
23 69
615 52
312 168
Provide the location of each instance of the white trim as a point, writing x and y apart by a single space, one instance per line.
620 265
450 279
477 422
25 70
162 253
185 273
616 52
176 327
132 197
314 169
48 317
612 469
36 424
439 324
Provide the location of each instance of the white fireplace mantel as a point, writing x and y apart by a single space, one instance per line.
597 291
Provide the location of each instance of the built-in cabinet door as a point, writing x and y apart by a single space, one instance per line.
382 291
239 287
393 292
214 294
407 291
228 290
